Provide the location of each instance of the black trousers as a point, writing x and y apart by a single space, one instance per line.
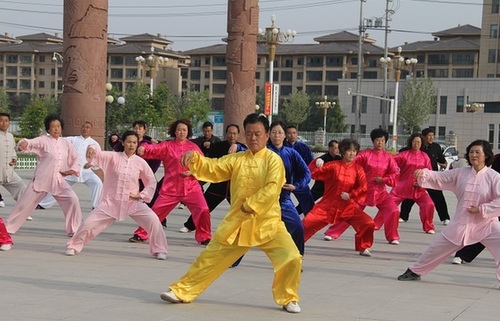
470 252
213 200
438 200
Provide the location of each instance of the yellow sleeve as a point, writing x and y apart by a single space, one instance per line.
212 170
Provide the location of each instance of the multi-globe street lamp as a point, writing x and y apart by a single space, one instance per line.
273 36
325 105
153 62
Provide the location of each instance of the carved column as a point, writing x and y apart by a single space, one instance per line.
241 60
84 66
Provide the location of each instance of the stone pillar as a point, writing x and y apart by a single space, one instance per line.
241 60
84 66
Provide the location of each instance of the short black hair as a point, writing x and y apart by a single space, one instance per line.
427 130
233 125
129 133
253 118
333 141
50 118
346 144
5 115
141 123
185 121
207 124
379 132
488 152
290 126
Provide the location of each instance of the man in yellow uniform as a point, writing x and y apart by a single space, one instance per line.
254 219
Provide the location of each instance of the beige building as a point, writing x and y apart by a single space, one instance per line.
32 64
489 60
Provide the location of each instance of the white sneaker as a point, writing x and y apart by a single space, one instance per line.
2 204
456 260
401 220
181 206
445 222
327 238
170 296
292 307
29 218
6 247
366 252
70 252
394 242
430 232
184 230
161 256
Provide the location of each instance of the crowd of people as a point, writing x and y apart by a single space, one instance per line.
258 179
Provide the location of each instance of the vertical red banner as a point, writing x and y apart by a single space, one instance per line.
268 98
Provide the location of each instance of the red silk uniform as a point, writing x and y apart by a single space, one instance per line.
340 177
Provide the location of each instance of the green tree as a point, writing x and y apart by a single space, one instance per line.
417 104
335 119
164 103
32 120
139 105
296 108
4 101
194 105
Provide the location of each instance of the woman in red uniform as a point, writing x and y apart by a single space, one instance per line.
345 187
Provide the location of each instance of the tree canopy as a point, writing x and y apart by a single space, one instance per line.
418 102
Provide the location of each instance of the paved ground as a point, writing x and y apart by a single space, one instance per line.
113 279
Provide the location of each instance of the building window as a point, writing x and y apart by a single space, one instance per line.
117 73
332 91
118 86
462 73
494 6
11 84
442 131
207 74
334 75
300 75
491 133
41 84
460 104
363 107
219 60
437 73
218 88
206 87
117 60
421 59
257 75
11 59
314 75
59 85
313 90
130 61
25 84
462 58
315 61
285 90
195 75
443 104
131 73
218 103
25 59
353 75
439 59
25 71
219 75
492 58
334 61
52 85
288 62
286 76
59 71
207 61
41 71
354 61
11 71
493 31
370 75
276 76
197 63
372 63
300 61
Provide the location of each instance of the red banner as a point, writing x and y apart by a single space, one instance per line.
268 98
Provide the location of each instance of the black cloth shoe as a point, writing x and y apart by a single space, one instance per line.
135 239
205 242
39 207
409 275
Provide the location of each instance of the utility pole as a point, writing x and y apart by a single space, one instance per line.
387 19
357 116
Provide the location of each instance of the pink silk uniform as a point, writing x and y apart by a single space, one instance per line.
408 162
177 188
472 188
53 156
340 177
377 164
121 178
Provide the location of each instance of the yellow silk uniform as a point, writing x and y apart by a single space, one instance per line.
256 182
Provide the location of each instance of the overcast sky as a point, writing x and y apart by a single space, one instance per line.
198 23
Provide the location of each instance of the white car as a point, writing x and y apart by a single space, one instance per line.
450 154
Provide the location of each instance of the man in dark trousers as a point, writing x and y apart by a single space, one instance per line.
437 160
218 192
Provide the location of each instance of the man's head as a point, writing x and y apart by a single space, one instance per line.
428 134
292 135
140 128
86 129
333 147
208 129
4 122
256 131
232 133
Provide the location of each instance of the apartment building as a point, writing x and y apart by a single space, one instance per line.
489 60
32 64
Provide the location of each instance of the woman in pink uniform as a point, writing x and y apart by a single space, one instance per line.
178 183
478 203
56 158
407 188
121 197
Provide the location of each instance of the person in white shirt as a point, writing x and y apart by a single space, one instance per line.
87 174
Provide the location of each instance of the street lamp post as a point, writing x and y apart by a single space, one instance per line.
325 105
109 100
398 63
56 57
273 36
153 62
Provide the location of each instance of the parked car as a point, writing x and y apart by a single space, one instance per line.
450 154
302 139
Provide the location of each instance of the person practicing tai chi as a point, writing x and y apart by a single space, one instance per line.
254 219
121 197
476 218
345 188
